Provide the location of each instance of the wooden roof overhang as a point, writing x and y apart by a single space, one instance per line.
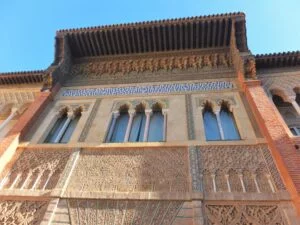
155 36
278 60
24 77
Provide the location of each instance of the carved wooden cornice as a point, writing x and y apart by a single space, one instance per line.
23 77
140 65
276 60
155 36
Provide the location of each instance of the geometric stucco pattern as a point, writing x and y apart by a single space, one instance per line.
22 212
243 214
122 212
229 168
36 169
120 170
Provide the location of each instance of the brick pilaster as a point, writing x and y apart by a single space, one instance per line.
285 154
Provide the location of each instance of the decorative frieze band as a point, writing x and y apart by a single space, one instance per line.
152 65
150 89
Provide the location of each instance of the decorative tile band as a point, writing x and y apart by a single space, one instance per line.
150 89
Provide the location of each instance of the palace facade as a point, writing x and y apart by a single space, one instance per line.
162 122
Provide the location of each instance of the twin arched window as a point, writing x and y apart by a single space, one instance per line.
63 128
137 126
220 125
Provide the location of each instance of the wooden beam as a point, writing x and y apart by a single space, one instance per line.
128 43
214 33
164 37
117 38
123 45
153 38
159 37
208 35
181 36
220 32
95 34
197 34
192 36
202 34
175 37
170 27
84 48
149 38
78 45
186 35
102 41
112 41
139 48
225 32
93 45
144 40
108 47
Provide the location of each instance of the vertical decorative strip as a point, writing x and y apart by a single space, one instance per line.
89 121
272 168
194 154
190 117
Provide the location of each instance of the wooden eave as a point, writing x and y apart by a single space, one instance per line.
278 60
155 36
24 77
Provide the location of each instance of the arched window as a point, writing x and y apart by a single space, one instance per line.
228 124
142 125
212 132
138 125
156 126
63 128
120 127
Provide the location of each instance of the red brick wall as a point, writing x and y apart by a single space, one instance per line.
287 157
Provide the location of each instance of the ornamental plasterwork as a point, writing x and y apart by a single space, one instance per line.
72 107
22 212
17 96
167 88
147 103
122 212
134 170
243 214
36 170
152 65
216 101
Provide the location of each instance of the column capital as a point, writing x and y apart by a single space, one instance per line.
148 111
116 114
131 112
71 114
164 111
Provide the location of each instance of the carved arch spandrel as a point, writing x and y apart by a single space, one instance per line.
30 169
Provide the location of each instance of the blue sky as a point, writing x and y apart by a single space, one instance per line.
28 27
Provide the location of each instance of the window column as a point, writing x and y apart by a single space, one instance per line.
148 113
70 116
164 112
128 129
115 116
292 100
217 111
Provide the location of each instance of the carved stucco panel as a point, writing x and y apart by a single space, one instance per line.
22 212
120 212
135 170
243 214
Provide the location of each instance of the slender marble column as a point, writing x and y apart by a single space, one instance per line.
47 181
64 127
213 176
165 113
4 180
15 181
128 129
256 184
270 182
148 113
26 180
228 184
242 182
296 106
112 126
9 118
37 181
217 112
